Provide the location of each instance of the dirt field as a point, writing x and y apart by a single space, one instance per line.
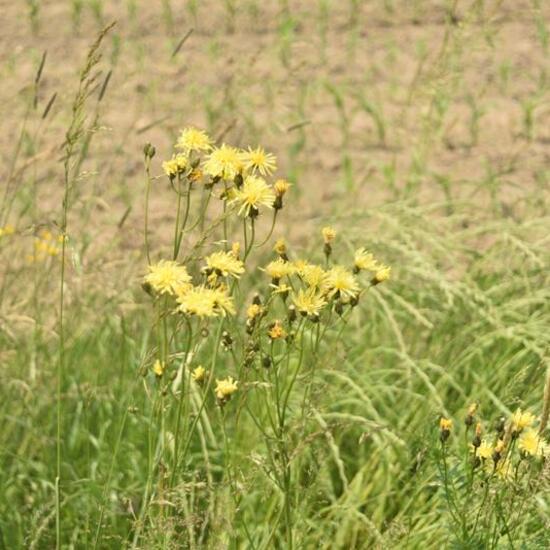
355 98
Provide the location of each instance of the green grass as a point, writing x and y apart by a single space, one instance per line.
464 318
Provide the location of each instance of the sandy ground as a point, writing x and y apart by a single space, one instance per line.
450 100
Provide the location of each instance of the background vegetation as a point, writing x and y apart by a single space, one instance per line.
418 129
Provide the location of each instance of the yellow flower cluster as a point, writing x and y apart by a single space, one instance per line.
243 171
46 245
312 286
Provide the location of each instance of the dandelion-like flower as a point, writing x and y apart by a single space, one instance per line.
254 310
225 389
277 269
277 331
257 160
176 165
329 234
199 374
309 302
158 368
223 162
206 302
254 193
531 443
225 263
341 283
167 277
521 420
382 274
485 450
281 187
313 275
364 261
193 139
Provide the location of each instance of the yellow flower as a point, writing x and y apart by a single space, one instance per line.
225 389
313 275
159 368
329 234
254 310
276 331
225 263
382 274
503 469
364 260
485 450
278 269
223 162
340 282
254 193
236 249
193 139
167 277
206 302
531 443
199 374
309 302
281 187
7 230
176 165
280 247
521 420
260 161
445 424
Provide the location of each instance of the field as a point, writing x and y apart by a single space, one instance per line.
174 375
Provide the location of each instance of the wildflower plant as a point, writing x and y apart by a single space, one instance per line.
224 348
490 474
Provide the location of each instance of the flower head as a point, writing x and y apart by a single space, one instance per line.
193 139
167 277
382 274
257 160
254 310
340 282
445 424
159 368
277 331
176 165
223 162
521 420
281 187
485 450
313 275
225 263
206 302
309 302
364 260
277 269
329 234
225 389
531 443
199 374
254 193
